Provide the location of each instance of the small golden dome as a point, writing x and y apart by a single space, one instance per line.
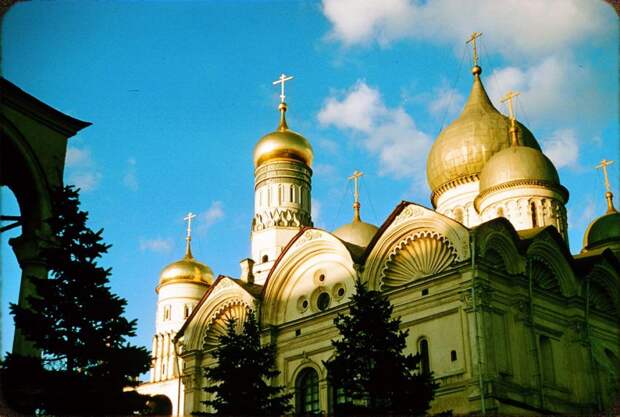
605 231
518 163
283 143
461 149
357 232
187 270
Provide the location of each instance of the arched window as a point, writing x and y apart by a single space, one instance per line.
185 311
265 258
291 194
425 363
534 214
546 353
166 313
307 392
453 356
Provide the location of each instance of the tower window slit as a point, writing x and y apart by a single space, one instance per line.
534 214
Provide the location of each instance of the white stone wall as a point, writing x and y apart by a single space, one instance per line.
458 204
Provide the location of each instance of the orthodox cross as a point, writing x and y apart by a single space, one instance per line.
603 165
356 195
188 238
513 129
283 78
472 40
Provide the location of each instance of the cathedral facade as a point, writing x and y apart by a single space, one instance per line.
506 318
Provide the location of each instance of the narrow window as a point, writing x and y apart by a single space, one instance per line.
546 353
265 258
453 356
185 311
424 358
534 214
425 291
291 194
297 332
307 392
166 313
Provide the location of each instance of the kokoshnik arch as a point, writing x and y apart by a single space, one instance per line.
509 321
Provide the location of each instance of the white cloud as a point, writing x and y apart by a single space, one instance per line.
130 179
446 101
209 217
562 148
551 24
82 171
389 133
157 245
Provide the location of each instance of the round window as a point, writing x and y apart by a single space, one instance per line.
340 292
322 302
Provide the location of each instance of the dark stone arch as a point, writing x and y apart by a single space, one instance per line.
159 405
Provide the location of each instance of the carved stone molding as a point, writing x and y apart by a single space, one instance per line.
278 217
422 254
409 212
217 323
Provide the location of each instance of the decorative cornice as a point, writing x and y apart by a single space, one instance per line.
560 189
437 192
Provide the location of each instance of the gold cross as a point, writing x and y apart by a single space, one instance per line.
355 177
508 98
472 40
189 218
283 78
603 165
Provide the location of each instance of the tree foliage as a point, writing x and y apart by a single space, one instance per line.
77 323
239 382
370 372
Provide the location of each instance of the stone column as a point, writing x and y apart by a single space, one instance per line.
28 252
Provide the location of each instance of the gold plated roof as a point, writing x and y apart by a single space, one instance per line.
283 143
517 163
604 231
357 232
187 269
461 149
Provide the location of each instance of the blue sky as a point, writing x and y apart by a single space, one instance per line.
179 92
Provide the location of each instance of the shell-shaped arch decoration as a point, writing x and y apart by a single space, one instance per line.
424 253
217 325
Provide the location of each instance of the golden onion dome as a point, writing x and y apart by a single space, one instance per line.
186 270
604 231
357 232
283 143
461 150
518 164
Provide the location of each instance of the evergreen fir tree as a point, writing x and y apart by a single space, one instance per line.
77 323
369 371
239 382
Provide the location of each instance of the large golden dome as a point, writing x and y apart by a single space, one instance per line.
461 149
283 143
357 232
188 270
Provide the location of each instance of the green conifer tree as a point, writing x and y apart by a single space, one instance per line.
77 323
239 382
369 371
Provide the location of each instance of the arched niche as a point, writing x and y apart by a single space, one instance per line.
418 241
604 283
315 273
225 300
496 246
545 253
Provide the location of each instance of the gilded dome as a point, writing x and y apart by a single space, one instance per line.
357 232
604 231
283 143
187 269
518 163
461 149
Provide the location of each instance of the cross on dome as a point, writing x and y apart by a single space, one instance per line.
282 80
608 194
472 40
356 195
513 128
188 238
